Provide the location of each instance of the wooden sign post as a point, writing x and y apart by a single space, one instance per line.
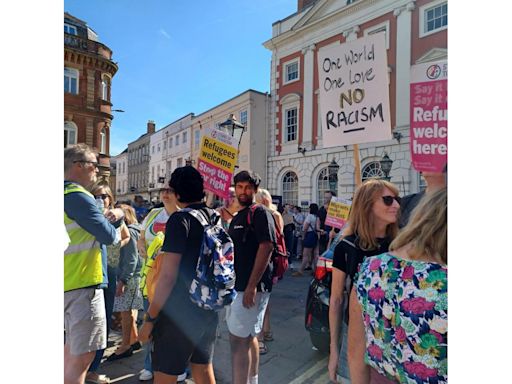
357 166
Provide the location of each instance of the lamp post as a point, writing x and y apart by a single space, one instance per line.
385 164
233 128
332 171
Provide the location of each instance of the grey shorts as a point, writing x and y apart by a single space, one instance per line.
243 322
85 321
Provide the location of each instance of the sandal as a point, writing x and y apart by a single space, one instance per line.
268 336
263 348
94 378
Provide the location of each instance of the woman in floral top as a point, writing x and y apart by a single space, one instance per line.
399 303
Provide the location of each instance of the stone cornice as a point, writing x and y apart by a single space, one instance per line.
90 60
409 7
334 18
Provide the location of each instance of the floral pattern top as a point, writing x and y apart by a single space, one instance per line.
405 312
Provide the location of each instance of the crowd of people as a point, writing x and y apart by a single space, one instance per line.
388 303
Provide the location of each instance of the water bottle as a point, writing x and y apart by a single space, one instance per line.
100 205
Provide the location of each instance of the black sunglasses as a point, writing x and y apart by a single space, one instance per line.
168 190
93 163
103 196
388 200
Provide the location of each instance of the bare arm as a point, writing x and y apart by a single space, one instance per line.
164 286
335 305
141 244
260 264
359 371
279 221
125 235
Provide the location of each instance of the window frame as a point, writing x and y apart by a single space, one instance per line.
70 27
184 137
244 111
374 29
77 78
423 17
103 140
105 87
285 70
71 127
294 192
377 166
285 126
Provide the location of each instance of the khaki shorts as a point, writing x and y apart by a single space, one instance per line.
85 321
245 322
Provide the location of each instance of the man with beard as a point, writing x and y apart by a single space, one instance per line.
254 237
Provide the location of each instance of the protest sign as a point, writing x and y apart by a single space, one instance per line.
354 92
337 212
217 159
429 116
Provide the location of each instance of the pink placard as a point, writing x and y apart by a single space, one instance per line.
215 179
429 117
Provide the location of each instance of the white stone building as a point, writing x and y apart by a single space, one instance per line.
250 108
415 32
169 148
121 163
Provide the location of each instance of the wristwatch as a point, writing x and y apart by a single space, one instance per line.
149 319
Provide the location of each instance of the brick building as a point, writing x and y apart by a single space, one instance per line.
88 73
415 32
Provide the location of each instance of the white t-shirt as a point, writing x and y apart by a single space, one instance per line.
311 219
156 225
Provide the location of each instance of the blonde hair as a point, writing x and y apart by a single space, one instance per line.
103 185
427 229
360 220
129 214
264 197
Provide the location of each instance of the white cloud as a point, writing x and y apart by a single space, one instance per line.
165 34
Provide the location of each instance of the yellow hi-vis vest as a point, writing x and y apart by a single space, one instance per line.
82 258
151 251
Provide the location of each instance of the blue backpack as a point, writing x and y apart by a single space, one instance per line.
214 285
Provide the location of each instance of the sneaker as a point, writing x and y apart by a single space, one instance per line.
182 377
145 375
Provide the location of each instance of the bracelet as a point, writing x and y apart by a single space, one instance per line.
149 319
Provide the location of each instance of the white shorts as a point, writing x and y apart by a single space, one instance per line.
244 322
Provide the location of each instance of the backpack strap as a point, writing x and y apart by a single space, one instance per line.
250 217
202 217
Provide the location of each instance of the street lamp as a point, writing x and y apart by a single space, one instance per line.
332 171
233 127
385 164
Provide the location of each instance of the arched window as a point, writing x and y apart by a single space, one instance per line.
323 185
372 170
103 140
71 80
70 133
105 87
290 188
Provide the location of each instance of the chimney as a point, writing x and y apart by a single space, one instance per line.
151 126
301 4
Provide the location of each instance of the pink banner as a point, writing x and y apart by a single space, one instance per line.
429 117
335 222
216 179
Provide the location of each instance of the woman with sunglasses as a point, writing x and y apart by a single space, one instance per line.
105 202
372 225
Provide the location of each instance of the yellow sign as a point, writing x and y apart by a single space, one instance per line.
337 212
217 153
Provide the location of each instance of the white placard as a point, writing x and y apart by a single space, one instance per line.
354 92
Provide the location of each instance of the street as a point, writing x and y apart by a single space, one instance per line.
291 358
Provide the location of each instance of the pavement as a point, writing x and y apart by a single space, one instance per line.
291 359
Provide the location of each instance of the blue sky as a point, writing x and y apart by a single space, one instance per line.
177 57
